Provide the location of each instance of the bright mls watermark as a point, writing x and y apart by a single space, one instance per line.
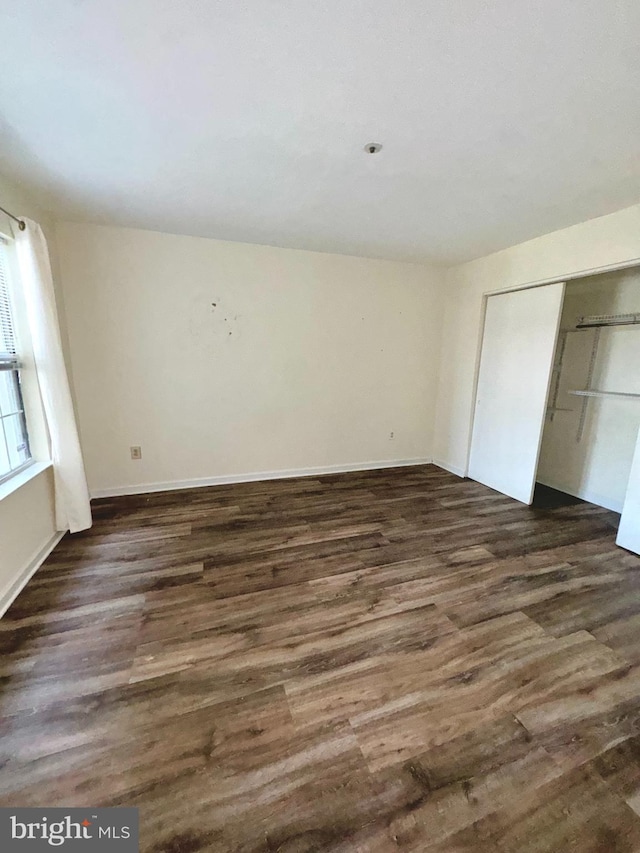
79 830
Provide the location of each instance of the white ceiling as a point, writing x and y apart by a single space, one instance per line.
246 119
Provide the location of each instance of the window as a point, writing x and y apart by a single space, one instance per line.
14 442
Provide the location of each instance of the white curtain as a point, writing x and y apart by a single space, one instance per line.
73 510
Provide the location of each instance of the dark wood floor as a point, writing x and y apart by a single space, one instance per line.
381 661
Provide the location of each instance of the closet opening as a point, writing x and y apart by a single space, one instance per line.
592 418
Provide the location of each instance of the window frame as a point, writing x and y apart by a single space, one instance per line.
13 364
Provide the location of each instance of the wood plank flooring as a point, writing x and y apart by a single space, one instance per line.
377 661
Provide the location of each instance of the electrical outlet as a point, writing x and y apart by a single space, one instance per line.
136 452
390 436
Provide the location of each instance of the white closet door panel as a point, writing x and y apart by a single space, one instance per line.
518 348
629 530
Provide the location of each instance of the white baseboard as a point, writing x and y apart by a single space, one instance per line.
14 589
453 469
228 479
585 495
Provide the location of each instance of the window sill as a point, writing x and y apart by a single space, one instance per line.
22 478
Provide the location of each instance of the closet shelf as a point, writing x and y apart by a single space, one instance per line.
621 394
599 321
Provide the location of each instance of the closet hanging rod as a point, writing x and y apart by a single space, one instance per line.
598 321
594 393
21 224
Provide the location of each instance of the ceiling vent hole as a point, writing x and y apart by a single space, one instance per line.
372 147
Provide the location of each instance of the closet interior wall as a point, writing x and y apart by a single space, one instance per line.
589 442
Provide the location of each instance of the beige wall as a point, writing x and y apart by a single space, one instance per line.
229 360
27 531
609 240
27 525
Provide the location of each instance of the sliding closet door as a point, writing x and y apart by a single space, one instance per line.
518 348
629 530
